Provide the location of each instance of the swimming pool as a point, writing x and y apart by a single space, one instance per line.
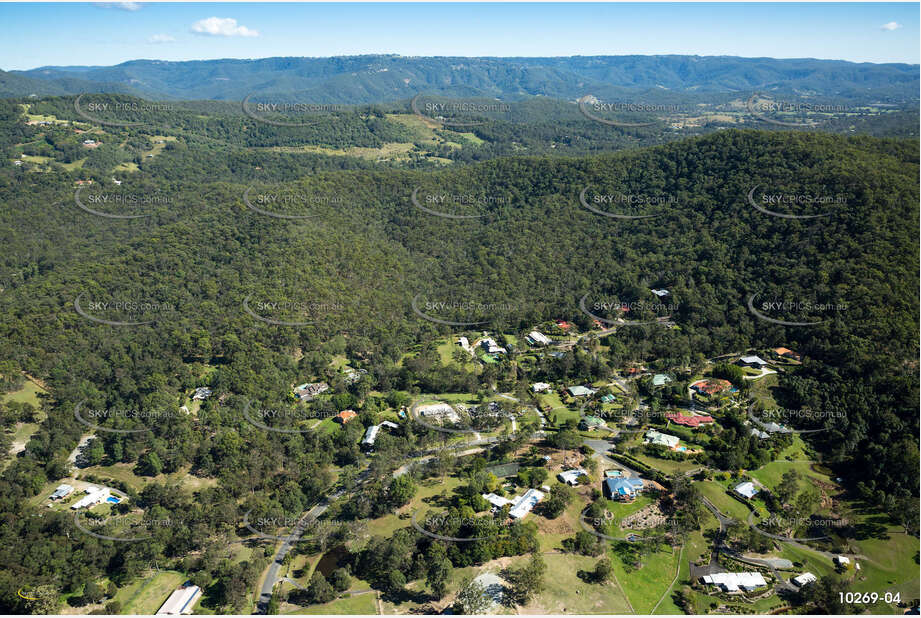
113 500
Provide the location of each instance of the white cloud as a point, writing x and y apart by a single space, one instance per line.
222 26
891 26
125 6
160 38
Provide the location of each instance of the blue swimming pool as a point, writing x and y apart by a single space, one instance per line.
113 500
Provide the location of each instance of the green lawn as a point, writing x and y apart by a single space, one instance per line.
27 394
565 593
696 547
771 474
145 596
429 489
716 493
359 604
644 586
667 465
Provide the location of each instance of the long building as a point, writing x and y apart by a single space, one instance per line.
180 602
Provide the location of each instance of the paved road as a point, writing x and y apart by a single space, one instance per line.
272 577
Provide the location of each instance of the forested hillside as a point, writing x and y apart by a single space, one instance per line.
352 240
379 78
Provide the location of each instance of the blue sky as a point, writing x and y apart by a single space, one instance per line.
109 33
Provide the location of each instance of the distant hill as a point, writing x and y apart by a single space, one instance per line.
382 78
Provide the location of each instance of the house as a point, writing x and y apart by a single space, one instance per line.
608 398
580 391
89 142
440 411
62 491
536 338
525 503
621 488
773 427
660 379
370 436
491 346
787 353
571 477
180 602
116 181
17 162
371 432
711 386
497 501
689 421
802 580
662 439
659 293
345 416
842 561
752 361
735 582
761 435
94 495
540 387
591 423
464 343
563 324
308 391
201 393
746 490
353 375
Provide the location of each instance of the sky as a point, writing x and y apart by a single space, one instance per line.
66 34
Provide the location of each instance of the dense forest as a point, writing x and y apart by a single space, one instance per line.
362 255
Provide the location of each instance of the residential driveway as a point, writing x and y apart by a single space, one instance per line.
764 372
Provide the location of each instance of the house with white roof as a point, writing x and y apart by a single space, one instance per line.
659 293
802 580
662 439
746 490
180 602
580 391
372 431
571 477
535 337
525 503
63 490
735 582
94 495
540 387
496 500
752 361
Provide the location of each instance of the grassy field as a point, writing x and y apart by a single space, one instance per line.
667 465
145 596
426 496
891 564
359 604
125 473
27 394
644 586
715 493
565 593
696 547
792 458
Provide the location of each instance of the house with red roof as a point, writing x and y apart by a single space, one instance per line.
689 421
345 416
787 353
